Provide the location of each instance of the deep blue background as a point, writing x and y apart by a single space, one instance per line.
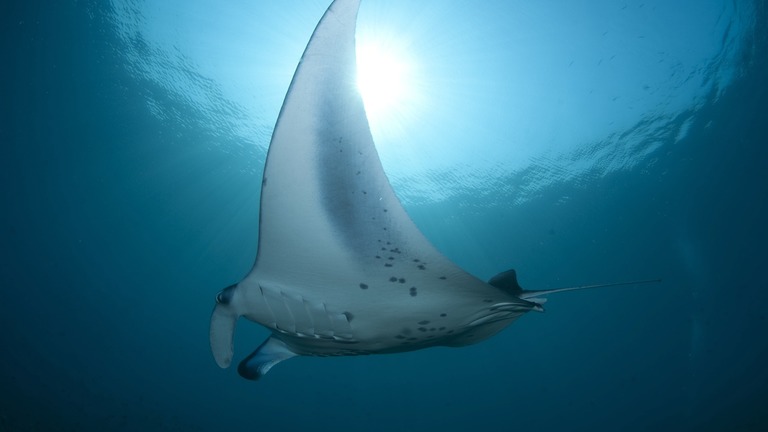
119 226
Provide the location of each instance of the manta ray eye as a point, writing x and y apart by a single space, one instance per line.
225 296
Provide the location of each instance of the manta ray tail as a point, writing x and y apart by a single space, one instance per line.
508 281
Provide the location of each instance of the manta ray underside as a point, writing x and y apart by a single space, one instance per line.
341 269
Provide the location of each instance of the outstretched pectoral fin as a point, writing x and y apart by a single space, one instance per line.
268 354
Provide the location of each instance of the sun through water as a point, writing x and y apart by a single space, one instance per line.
387 77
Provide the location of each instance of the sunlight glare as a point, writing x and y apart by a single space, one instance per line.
385 80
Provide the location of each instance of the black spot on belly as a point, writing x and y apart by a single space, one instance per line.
425 322
401 280
264 181
416 260
413 291
393 279
443 277
363 286
390 258
387 265
421 267
378 257
443 314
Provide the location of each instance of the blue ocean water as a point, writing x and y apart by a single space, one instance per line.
134 134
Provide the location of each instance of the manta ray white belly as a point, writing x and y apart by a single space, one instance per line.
341 269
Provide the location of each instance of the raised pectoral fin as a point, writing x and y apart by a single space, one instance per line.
270 353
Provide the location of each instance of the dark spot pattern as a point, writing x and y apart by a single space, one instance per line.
401 280
443 277
390 258
421 267
393 279
422 329
413 291
387 265
363 286
425 322
378 257
443 315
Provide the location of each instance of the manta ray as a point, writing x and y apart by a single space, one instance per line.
341 269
